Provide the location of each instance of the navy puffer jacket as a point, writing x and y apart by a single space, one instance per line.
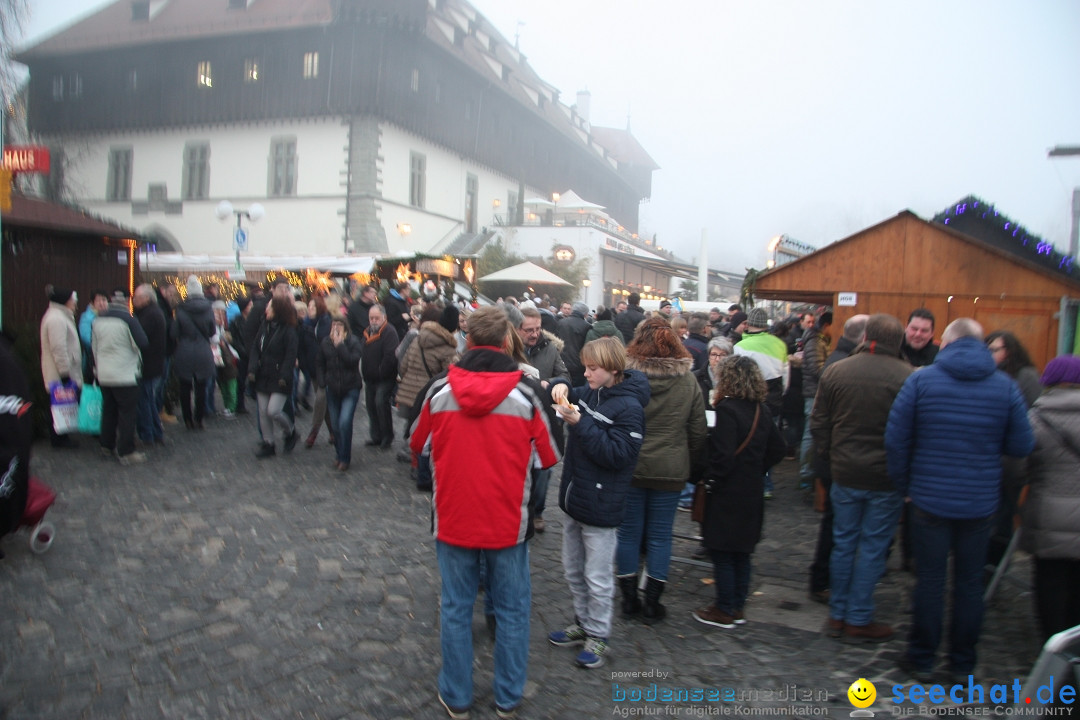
602 449
948 429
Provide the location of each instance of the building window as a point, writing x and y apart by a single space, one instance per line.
133 80
205 76
58 88
283 166
414 81
75 86
417 179
251 70
311 65
119 180
196 181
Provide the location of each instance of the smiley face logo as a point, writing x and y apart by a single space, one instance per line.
862 693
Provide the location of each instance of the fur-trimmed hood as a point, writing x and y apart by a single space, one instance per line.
553 339
655 367
432 334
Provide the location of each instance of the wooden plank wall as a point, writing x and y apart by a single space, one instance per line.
907 263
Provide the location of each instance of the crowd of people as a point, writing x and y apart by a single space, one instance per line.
928 445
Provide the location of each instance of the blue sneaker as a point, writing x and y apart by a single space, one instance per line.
593 654
573 635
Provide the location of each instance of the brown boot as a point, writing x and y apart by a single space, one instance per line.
870 633
834 628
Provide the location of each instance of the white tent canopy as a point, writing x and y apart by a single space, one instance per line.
570 200
526 272
173 262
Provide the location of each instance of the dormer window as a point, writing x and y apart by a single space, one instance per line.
140 10
237 4
204 76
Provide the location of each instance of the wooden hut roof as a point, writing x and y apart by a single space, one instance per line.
31 212
906 254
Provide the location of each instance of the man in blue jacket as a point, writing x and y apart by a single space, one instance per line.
947 431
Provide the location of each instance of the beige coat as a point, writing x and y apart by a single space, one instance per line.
440 349
61 353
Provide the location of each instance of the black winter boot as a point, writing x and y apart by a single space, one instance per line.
653 611
265 450
631 603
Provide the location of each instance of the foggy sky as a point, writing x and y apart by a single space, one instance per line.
814 119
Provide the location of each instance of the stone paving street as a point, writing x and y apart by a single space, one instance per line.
207 584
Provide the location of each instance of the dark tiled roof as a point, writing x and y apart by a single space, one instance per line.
483 48
624 147
112 26
36 213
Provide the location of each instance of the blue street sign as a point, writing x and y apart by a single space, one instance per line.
240 238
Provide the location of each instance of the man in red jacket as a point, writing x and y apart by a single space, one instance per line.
481 506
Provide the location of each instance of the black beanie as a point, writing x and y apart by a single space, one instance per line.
449 319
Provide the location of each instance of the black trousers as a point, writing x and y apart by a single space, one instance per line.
119 410
1057 594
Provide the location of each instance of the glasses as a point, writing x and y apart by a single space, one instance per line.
720 355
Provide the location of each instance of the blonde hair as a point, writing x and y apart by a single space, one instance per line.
607 353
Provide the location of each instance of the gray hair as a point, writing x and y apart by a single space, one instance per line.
855 327
961 328
721 343
378 307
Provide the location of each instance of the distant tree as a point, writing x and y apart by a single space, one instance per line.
688 289
495 258
13 15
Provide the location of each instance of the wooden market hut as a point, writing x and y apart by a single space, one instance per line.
48 243
906 262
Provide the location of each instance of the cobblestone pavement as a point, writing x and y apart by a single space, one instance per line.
207 584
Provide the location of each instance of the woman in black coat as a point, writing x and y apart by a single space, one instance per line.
193 363
338 374
743 445
270 371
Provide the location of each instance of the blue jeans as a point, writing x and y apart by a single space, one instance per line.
342 408
864 522
147 419
806 458
511 591
731 573
648 513
540 480
932 539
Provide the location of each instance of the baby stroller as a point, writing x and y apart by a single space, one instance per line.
39 498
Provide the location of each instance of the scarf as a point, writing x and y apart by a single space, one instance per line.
368 337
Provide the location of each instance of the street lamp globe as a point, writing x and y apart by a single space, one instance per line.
256 212
224 210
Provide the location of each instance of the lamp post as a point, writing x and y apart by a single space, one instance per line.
1074 233
254 213
555 210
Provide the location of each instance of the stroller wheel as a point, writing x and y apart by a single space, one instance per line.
41 537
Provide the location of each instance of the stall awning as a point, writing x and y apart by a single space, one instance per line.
337 265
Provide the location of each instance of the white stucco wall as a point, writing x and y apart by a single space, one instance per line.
444 207
311 222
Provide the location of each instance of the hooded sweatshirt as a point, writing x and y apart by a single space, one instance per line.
484 424
948 428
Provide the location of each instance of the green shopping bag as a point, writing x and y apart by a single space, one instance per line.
90 410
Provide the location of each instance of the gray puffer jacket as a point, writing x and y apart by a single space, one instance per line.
1052 513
